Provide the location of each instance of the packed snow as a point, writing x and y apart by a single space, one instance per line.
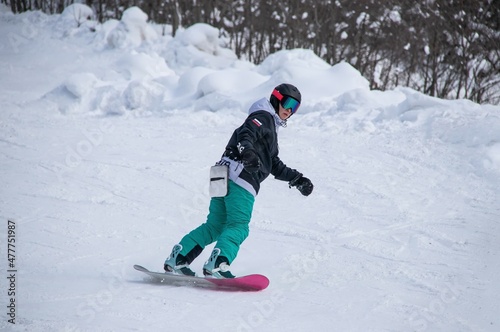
107 135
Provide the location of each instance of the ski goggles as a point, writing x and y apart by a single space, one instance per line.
287 102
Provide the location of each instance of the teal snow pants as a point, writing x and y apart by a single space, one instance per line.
227 223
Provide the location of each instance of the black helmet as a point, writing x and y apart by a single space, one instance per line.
281 94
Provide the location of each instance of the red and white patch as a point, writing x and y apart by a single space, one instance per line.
257 122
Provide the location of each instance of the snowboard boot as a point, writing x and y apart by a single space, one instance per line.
179 264
217 266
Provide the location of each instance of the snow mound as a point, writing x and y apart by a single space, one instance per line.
137 65
80 85
493 156
146 82
414 107
143 95
227 88
317 80
202 36
78 13
84 93
132 30
76 19
292 59
188 81
198 46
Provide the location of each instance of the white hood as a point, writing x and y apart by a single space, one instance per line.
265 105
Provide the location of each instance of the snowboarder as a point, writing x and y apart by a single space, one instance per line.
251 155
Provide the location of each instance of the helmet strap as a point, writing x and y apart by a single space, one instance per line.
277 94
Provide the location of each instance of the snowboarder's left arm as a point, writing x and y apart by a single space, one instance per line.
294 177
283 172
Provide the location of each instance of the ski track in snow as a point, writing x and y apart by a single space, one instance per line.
390 234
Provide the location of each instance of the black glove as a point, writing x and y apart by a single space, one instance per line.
250 160
303 184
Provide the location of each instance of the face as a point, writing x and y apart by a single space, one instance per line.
284 113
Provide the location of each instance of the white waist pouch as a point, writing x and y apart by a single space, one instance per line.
219 183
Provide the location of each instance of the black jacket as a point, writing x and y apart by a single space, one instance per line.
259 132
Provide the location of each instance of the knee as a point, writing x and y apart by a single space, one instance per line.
215 230
238 230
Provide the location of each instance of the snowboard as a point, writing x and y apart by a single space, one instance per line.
252 282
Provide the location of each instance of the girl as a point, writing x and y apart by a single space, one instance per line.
251 155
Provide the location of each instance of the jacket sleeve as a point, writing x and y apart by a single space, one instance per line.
283 172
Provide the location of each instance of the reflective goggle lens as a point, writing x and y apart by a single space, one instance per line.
290 103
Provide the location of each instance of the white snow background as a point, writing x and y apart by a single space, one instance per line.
107 136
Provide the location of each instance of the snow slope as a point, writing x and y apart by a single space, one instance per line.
106 142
